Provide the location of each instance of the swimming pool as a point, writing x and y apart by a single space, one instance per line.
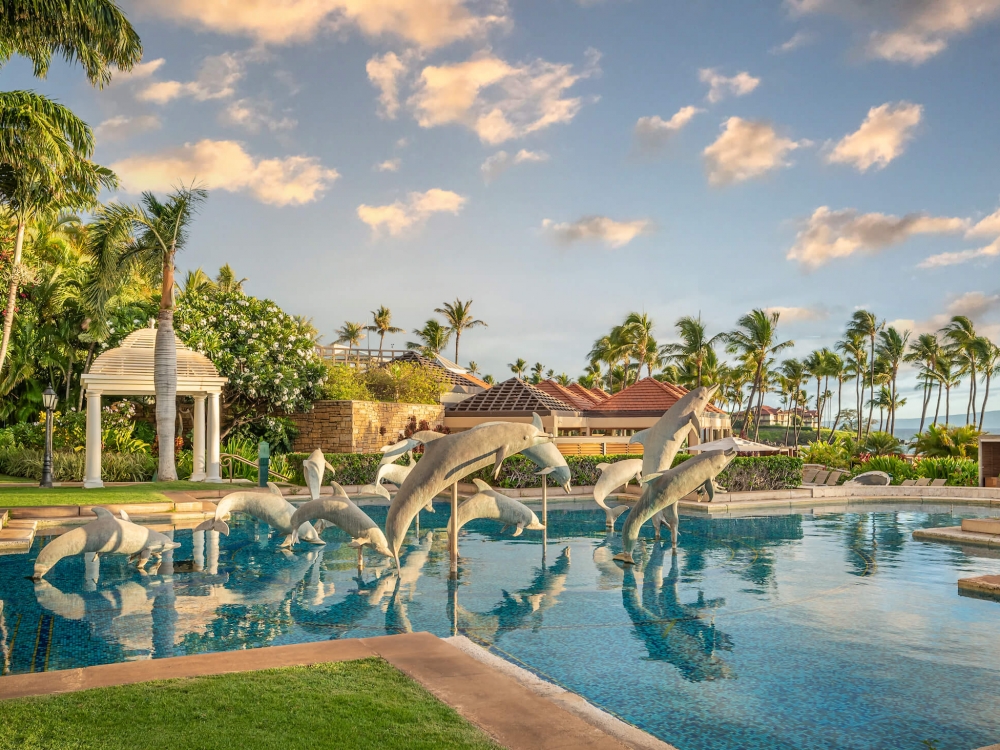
823 629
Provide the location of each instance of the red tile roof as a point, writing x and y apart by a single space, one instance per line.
648 395
579 390
600 393
565 395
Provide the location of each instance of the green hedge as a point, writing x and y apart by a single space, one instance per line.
69 466
744 473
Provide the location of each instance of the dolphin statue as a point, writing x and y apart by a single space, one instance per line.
663 490
395 474
661 442
269 507
548 456
105 535
449 459
391 452
341 511
488 503
612 476
314 468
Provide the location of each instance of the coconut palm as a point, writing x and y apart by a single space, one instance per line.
754 340
351 334
195 282
835 368
94 33
433 338
990 366
966 347
924 351
227 282
44 166
457 316
489 380
943 441
892 349
864 323
536 372
518 367
473 368
695 345
853 347
563 379
949 375
382 324
640 327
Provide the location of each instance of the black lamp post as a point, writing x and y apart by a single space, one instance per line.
49 401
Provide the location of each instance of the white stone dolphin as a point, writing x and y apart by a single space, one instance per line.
448 460
663 490
269 507
341 511
663 440
613 476
105 535
391 452
314 468
395 474
548 456
488 503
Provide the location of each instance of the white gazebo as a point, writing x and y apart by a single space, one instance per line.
128 371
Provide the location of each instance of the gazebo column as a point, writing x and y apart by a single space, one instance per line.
92 476
198 444
213 438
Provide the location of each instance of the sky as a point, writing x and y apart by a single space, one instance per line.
565 162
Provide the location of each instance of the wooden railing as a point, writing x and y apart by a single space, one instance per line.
228 461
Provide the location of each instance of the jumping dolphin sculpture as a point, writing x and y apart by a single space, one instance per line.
105 535
391 452
663 490
548 456
450 458
615 475
395 474
269 507
488 503
341 511
314 468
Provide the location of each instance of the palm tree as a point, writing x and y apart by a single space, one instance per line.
382 324
457 316
195 282
94 33
433 338
949 376
640 327
489 379
536 372
227 282
794 372
835 368
44 166
518 368
754 340
473 368
695 344
815 365
351 334
965 346
148 236
864 323
925 351
853 346
990 366
892 348
563 379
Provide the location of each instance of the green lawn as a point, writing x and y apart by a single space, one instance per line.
32 494
365 704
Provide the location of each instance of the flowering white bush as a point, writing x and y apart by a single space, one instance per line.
267 355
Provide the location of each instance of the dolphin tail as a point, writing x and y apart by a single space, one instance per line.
213 525
290 540
430 506
625 557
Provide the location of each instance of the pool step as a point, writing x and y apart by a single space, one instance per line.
17 536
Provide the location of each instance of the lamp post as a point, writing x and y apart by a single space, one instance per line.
49 401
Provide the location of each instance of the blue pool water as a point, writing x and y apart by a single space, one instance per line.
788 631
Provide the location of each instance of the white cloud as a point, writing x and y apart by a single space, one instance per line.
252 115
747 149
612 233
839 234
988 227
798 39
389 165
882 137
501 161
797 314
961 256
652 133
225 165
428 24
907 32
974 305
399 216
385 72
216 79
497 100
720 86
122 127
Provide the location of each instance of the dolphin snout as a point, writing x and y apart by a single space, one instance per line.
535 526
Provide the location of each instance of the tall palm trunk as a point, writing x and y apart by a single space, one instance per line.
458 335
937 408
15 278
381 338
859 398
947 404
836 420
165 375
753 392
986 397
69 373
871 385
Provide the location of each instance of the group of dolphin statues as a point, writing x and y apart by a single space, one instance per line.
446 460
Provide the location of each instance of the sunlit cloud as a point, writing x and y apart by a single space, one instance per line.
399 216
747 149
123 126
882 137
798 314
216 79
720 86
612 233
501 161
653 133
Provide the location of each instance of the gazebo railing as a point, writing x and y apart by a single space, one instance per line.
229 461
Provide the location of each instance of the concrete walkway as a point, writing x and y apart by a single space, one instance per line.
506 709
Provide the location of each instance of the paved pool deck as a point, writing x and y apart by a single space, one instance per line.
519 711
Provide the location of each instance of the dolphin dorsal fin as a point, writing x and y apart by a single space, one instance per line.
650 477
273 488
481 485
124 515
338 491
602 467
546 471
103 512
537 421
639 437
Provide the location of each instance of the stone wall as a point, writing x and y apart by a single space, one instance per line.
359 426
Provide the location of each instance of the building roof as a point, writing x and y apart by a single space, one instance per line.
765 409
134 357
579 390
453 374
648 396
568 397
514 397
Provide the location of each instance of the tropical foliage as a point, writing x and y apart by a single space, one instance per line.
403 382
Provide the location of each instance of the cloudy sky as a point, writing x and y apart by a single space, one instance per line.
563 162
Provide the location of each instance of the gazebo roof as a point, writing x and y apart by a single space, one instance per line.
128 369
513 397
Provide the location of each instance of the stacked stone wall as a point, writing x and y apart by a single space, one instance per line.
359 426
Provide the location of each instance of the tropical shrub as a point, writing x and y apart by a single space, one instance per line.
399 382
344 383
941 440
897 468
68 466
69 430
960 472
749 473
882 444
835 456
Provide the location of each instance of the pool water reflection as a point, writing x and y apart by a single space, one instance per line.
787 631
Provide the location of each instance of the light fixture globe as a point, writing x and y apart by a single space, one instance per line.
49 398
